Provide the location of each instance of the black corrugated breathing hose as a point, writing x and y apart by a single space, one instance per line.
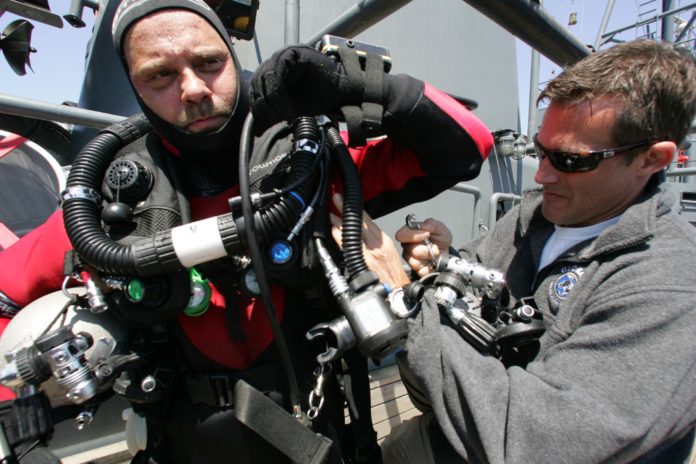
352 206
159 254
81 203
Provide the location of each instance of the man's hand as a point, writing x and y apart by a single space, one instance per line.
415 252
380 253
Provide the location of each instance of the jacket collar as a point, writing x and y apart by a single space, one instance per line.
636 226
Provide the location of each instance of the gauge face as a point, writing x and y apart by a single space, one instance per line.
251 284
198 294
200 299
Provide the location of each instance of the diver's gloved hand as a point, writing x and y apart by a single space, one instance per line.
301 81
298 81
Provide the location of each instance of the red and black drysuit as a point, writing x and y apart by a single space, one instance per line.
432 143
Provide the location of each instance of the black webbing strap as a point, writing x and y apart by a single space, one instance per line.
356 385
218 390
372 106
366 86
271 422
354 73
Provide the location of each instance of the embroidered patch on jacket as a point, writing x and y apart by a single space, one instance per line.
560 287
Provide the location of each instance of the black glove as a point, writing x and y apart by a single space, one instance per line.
301 81
297 81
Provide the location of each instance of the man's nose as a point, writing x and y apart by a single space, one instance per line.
193 87
546 173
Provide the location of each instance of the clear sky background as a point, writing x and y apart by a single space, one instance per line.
58 70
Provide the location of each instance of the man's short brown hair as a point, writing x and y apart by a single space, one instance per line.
656 81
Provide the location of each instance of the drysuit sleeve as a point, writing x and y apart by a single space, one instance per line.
432 143
613 384
33 266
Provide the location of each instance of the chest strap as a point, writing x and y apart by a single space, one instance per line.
271 422
218 390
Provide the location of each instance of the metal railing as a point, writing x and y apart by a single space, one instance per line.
56 113
476 192
493 205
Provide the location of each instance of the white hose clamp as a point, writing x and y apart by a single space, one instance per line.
307 145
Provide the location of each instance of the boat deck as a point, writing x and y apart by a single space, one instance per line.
390 402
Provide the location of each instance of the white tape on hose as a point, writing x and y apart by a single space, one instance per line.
198 242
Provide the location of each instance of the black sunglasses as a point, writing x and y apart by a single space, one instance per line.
585 161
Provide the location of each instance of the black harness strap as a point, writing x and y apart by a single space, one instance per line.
218 389
353 68
353 113
275 425
366 86
372 107
356 384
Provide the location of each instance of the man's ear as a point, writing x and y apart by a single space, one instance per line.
658 157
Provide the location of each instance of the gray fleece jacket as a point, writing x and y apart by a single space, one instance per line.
615 378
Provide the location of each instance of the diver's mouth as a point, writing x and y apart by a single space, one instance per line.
206 125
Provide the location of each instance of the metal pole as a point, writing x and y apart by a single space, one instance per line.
533 93
681 172
532 24
668 21
292 22
358 18
58 113
603 27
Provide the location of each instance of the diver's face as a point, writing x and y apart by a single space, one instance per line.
182 70
576 199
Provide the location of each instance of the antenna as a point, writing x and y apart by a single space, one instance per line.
15 45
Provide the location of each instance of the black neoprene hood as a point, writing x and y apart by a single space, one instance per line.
219 146
130 11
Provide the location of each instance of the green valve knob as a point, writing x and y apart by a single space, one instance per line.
135 290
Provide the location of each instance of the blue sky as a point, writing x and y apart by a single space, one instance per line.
58 71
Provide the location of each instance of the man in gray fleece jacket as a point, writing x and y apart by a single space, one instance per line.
612 268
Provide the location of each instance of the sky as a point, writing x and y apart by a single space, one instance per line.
58 71
589 17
